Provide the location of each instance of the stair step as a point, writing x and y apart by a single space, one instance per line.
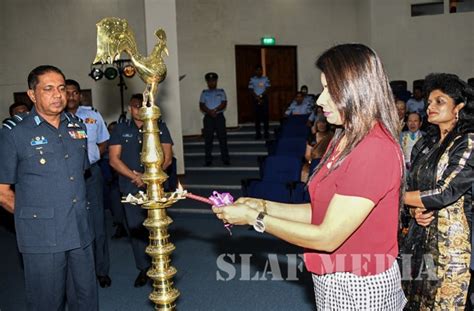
243 153
230 142
213 187
217 177
222 168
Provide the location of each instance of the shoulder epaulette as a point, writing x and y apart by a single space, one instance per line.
122 119
11 122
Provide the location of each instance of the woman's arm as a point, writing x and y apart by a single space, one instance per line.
293 212
412 198
344 215
457 179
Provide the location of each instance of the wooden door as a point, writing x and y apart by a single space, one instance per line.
279 65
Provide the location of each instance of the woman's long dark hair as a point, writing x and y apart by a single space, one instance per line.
360 89
460 92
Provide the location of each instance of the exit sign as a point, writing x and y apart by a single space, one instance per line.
268 41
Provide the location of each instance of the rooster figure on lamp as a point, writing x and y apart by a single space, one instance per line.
114 36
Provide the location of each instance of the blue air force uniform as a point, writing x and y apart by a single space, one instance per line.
258 85
128 136
297 109
47 165
96 133
212 99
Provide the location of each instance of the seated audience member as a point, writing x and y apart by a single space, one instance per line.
317 112
309 98
417 103
409 138
18 108
316 146
402 114
298 106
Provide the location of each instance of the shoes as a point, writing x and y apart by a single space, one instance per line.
120 232
208 163
104 281
141 279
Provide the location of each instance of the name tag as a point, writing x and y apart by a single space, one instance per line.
127 135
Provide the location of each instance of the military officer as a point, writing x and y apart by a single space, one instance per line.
212 103
259 85
299 106
125 146
45 157
97 137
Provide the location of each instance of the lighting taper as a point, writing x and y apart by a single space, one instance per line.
114 36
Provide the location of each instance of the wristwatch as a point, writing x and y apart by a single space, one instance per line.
259 225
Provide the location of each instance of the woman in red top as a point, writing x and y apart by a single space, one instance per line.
350 227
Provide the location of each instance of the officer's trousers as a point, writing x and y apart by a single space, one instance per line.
135 216
113 198
261 116
95 200
217 125
47 274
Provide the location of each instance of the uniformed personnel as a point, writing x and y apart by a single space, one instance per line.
45 157
97 137
299 106
259 85
125 146
212 103
18 108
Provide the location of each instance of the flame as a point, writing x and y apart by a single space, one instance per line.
180 188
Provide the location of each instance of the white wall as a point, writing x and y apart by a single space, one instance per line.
62 33
412 47
208 30
162 14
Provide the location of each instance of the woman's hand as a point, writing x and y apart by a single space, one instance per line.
422 218
256 204
236 214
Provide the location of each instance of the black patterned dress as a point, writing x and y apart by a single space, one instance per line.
438 256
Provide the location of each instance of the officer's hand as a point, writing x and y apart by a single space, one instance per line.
213 113
137 180
423 219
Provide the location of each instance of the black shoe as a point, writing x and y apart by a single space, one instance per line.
226 162
104 281
208 163
141 279
120 232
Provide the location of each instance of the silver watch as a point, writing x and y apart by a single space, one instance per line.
259 225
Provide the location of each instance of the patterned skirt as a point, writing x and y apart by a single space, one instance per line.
347 291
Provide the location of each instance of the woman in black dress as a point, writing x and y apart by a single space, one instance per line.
437 248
